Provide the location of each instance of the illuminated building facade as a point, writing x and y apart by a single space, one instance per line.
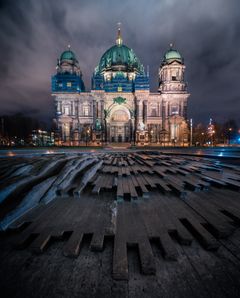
42 138
120 106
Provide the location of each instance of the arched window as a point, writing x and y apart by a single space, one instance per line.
67 110
86 110
120 116
174 110
154 112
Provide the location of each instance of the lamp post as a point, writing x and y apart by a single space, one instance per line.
105 125
191 132
151 134
229 136
87 135
211 132
202 139
175 130
212 139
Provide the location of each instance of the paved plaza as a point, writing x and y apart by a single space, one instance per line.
120 223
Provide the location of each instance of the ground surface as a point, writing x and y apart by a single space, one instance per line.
119 224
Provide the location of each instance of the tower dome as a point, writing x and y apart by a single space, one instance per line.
69 76
68 55
68 62
172 55
120 70
119 58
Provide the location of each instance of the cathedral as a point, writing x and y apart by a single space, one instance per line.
120 107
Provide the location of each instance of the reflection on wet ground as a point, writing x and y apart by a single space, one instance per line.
215 151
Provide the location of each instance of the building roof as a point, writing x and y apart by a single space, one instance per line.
119 57
68 55
172 55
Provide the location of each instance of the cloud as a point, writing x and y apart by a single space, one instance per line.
207 33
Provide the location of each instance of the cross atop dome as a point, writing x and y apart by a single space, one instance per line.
119 40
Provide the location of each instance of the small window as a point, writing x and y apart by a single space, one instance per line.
119 89
60 85
174 110
174 78
66 111
85 110
154 113
69 84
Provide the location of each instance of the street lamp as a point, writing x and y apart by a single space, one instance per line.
213 132
87 135
229 136
202 143
191 132
151 133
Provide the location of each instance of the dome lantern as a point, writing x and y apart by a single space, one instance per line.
119 40
172 55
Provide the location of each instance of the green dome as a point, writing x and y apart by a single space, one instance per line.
172 55
119 57
68 55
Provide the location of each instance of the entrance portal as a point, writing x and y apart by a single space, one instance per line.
120 126
119 138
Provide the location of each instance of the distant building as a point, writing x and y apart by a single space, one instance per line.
42 138
120 106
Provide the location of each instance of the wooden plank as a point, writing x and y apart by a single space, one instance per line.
127 171
132 189
162 185
193 185
97 241
134 180
126 190
42 240
120 173
182 172
221 226
142 186
158 225
148 266
149 180
160 172
215 182
119 188
120 264
176 186
183 234
72 247
192 223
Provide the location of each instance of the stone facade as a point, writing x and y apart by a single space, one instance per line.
120 106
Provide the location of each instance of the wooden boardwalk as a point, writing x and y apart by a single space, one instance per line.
174 216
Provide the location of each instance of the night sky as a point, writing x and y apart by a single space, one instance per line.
206 32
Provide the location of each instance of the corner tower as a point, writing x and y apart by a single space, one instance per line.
171 72
69 76
173 89
67 84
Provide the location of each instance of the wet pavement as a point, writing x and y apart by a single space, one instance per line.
228 152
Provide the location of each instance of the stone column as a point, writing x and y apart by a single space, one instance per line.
97 109
58 107
94 112
102 110
137 113
145 113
